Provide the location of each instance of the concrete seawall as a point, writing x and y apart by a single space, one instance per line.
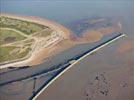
76 60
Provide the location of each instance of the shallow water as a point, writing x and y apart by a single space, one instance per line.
66 12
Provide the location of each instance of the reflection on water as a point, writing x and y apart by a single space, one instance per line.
66 13
24 89
106 75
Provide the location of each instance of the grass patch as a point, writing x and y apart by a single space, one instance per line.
11 53
44 33
21 25
9 36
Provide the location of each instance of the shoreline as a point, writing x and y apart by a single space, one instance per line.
69 40
42 21
76 62
64 32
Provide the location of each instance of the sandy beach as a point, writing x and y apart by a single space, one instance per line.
67 40
38 57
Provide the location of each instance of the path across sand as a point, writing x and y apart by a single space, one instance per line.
62 40
60 33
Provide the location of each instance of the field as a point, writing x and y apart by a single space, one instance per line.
23 26
9 36
47 32
18 38
12 53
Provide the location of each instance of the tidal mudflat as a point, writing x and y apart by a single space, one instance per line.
32 74
105 75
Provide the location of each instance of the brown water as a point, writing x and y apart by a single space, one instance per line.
107 75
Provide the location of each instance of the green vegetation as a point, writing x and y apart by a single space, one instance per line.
9 36
21 25
44 33
18 36
10 53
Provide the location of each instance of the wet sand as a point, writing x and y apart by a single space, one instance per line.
22 90
89 37
105 75
126 47
36 59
